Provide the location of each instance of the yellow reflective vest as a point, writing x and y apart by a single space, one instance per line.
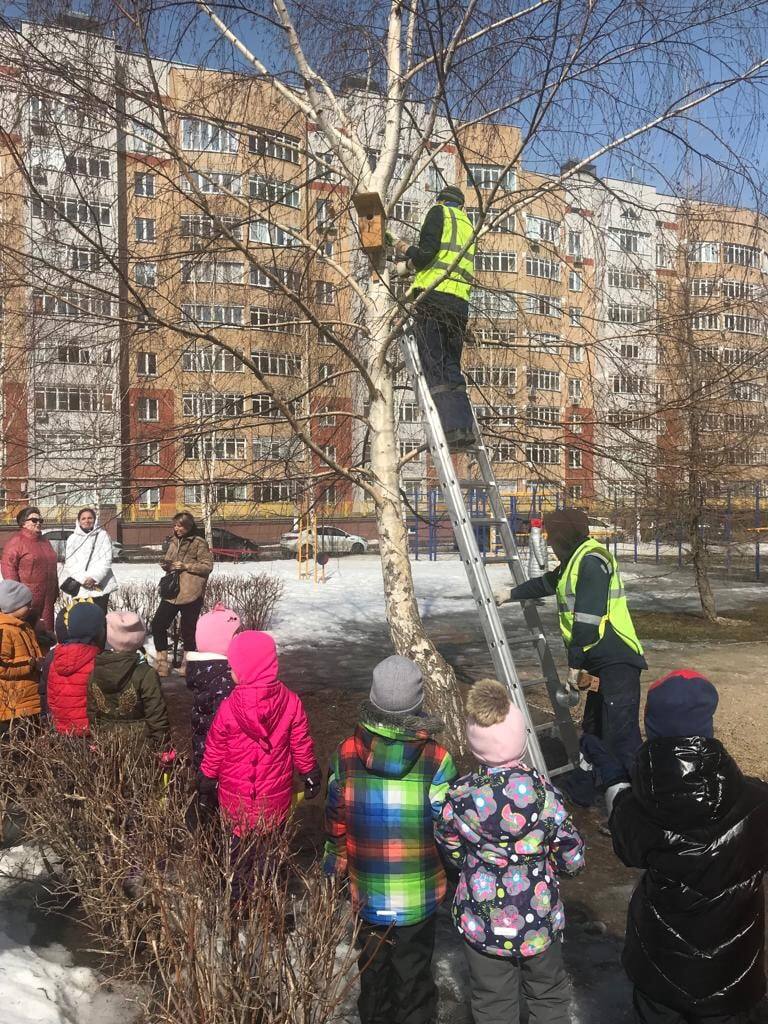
456 238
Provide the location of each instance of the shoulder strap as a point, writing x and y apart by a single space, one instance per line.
93 548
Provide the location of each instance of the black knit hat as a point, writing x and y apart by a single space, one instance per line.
451 194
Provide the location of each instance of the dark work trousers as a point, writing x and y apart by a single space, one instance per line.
396 985
613 712
649 1012
495 984
164 616
440 339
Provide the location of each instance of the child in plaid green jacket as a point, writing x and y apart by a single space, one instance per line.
386 788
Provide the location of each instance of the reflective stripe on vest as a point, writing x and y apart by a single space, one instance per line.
456 238
617 610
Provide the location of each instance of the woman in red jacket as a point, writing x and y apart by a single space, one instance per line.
29 558
72 665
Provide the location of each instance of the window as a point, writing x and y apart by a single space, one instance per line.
535 266
326 375
746 392
409 448
149 498
199 226
741 255
543 454
329 451
576 423
627 419
74 211
275 450
211 360
575 282
542 230
575 243
72 304
496 221
146 364
211 272
542 380
229 448
148 410
631 279
742 324
487 302
492 376
576 354
211 183
279 363
493 336
624 384
705 252
270 320
542 416
627 241
230 316
409 412
541 342
490 176
574 316
619 314
88 166
278 145
83 258
574 458
142 138
504 452
544 305
145 229
323 213
574 389
73 354
272 190
324 166
575 492
206 136
144 185
145 274
496 415
270 278
739 290
703 286
706 322
405 211
211 404
325 293
496 262
663 256
267 234
629 350
326 418
148 453
273 491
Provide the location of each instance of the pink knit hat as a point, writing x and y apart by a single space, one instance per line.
125 631
215 630
495 726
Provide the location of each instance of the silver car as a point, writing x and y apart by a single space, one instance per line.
58 538
330 540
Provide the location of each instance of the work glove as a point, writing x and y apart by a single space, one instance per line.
502 595
403 268
312 784
401 248
595 755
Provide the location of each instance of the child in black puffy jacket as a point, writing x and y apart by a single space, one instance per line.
695 930
208 675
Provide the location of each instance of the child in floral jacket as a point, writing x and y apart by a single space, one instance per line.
505 827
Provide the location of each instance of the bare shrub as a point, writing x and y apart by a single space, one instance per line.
253 596
212 942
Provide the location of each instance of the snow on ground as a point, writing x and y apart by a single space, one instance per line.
40 984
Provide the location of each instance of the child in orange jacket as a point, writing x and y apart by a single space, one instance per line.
20 656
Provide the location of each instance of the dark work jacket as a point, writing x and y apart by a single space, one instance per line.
695 928
591 597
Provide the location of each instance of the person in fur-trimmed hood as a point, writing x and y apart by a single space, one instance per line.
386 787
506 828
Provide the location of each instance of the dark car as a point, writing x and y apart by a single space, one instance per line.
230 547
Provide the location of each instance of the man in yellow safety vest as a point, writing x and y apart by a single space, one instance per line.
443 261
596 627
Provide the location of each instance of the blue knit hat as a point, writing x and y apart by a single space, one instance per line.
682 703
86 624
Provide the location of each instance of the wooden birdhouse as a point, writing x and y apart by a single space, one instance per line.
370 218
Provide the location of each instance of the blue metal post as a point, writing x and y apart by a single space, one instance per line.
757 531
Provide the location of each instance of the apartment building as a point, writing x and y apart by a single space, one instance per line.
181 278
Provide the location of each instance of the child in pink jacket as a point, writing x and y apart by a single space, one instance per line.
259 737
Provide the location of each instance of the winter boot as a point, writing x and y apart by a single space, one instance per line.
161 664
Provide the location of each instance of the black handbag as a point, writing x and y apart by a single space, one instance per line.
72 586
170 585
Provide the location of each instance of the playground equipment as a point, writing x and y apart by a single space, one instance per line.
306 546
490 512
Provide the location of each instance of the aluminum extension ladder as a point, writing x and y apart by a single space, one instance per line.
463 522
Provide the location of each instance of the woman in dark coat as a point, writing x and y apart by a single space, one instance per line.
696 925
30 559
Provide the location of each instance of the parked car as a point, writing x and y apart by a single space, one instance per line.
231 547
58 539
604 530
330 539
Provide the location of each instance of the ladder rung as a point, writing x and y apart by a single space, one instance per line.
479 485
525 642
528 684
567 767
500 559
485 520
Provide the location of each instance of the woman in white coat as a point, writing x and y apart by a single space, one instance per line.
89 560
